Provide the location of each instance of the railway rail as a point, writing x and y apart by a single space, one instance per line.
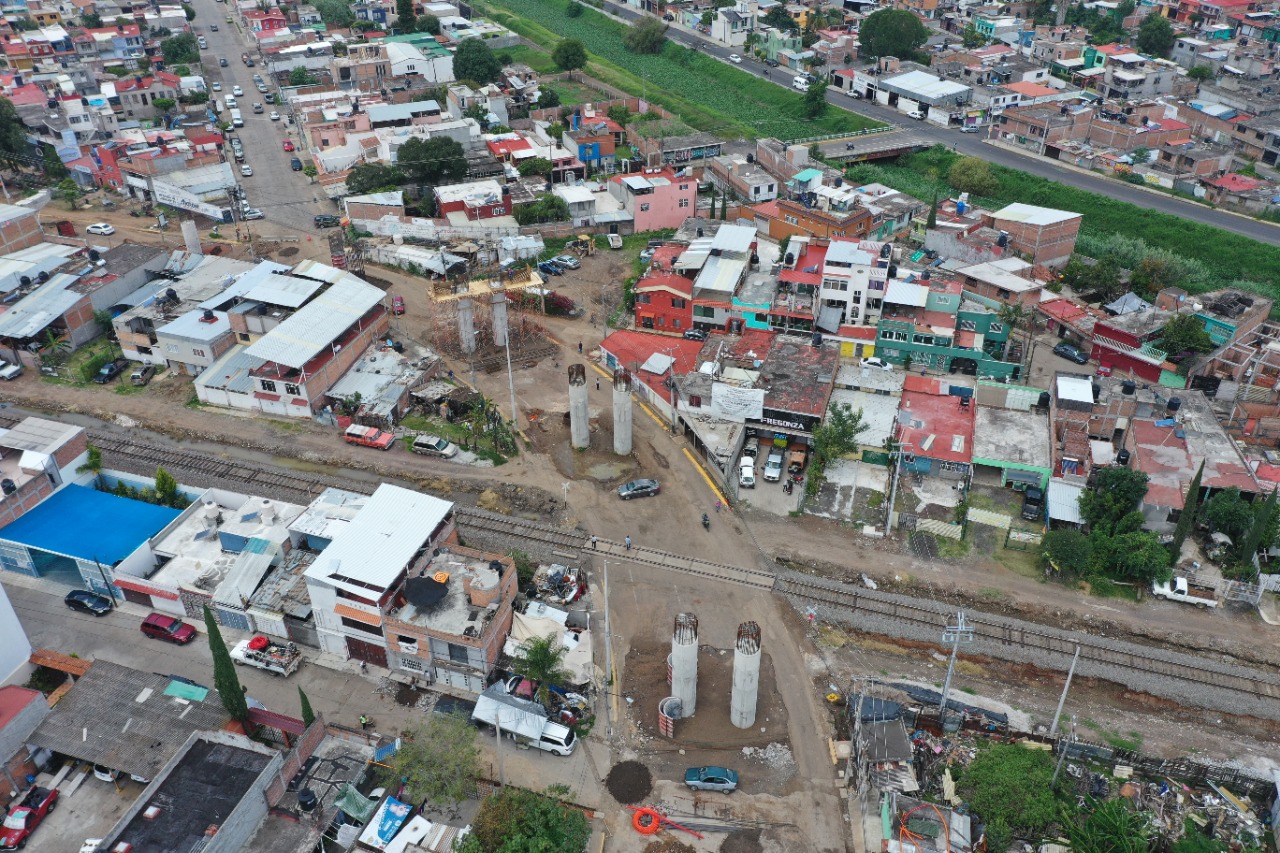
994 631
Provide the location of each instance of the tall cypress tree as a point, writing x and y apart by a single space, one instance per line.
308 715
1190 509
225 680
1262 515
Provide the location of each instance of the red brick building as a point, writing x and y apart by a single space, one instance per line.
664 300
1040 234
785 218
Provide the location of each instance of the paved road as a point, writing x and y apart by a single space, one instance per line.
973 145
286 197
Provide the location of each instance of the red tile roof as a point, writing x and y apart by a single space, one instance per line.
13 699
666 281
1235 183
935 426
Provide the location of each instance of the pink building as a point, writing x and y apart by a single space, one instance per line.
656 198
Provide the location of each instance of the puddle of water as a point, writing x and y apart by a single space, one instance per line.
605 471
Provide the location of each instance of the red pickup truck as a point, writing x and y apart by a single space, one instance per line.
25 816
369 437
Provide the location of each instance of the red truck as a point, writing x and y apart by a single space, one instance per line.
369 437
25 816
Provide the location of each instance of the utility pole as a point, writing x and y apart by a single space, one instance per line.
1062 700
893 490
958 633
608 643
511 384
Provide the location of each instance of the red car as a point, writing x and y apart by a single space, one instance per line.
288 145
397 305
161 627
24 817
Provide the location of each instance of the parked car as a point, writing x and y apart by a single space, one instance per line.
916 114
217 87
269 97
397 305
213 28
109 371
275 116
288 144
773 467
747 472
639 489
88 602
158 626
970 128
9 371
252 213
711 779
434 445
105 773
1032 504
772 63
327 220
735 59
751 447
246 170
1071 353
877 363
568 262
647 255
102 228
262 87
549 268
237 91
295 164
695 335
142 374
27 814
222 61
367 436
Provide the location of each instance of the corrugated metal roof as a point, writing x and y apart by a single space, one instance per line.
1064 501
191 325
283 290
231 372
304 335
37 310
246 573
381 540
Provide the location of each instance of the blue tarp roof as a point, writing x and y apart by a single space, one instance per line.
81 522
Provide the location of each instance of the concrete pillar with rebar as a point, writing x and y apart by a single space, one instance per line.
684 662
622 412
746 676
579 411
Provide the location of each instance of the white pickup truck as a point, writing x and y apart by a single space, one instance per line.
280 658
1178 589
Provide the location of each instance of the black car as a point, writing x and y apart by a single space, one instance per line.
110 371
295 164
639 489
1071 353
772 63
88 602
695 335
327 220
447 705
548 268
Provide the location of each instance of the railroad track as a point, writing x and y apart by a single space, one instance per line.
1005 633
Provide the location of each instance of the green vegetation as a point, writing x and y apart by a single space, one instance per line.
438 760
539 60
475 61
705 93
1011 787
179 49
541 661
1196 257
892 32
1116 550
514 820
225 680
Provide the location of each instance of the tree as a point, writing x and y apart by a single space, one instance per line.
189 12
1097 282
91 20
308 715
179 49
972 175
1112 826
167 493
438 761
13 133
646 35
891 32
573 10
971 37
475 61
1152 275
514 820
1200 73
1134 555
1228 512
54 168
707 19
1013 316
535 166
838 434
547 97
164 104
541 660
373 177
1155 36
69 191
225 680
549 208
815 99
1190 509
406 19
778 18
1067 551
1011 788
619 113
335 13
1115 494
1185 333
310 170
301 77
439 159
569 55
92 465
1262 530
429 24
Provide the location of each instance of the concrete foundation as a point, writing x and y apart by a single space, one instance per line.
579 412
684 663
467 326
746 676
622 412
498 306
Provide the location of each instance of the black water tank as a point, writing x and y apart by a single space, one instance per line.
94 255
1174 404
1122 458
1127 387
307 800
1043 402
8 487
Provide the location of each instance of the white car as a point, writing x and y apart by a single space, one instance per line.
247 171
275 116
878 363
252 213
747 472
735 59
231 102
217 87
773 467
100 228
237 91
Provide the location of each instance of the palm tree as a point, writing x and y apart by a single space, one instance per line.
92 465
541 660
1012 316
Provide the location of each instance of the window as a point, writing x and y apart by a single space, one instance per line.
684 187
171 347
198 353
684 202
244 336
968 326
677 303
704 311
644 207
357 625
675 324
643 299
997 328
790 220
292 389
268 385
661 322
498 211
886 335
459 654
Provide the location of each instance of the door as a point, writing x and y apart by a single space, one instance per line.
367 652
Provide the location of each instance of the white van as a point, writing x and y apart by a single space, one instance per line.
237 120
800 83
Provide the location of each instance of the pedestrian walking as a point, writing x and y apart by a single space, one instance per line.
364 667
364 722
579 347
718 504
597 383
627 542
595 540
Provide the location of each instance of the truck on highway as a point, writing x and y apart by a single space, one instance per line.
280 658
1178 589
522 720
369 437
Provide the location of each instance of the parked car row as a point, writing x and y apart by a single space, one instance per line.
558 265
